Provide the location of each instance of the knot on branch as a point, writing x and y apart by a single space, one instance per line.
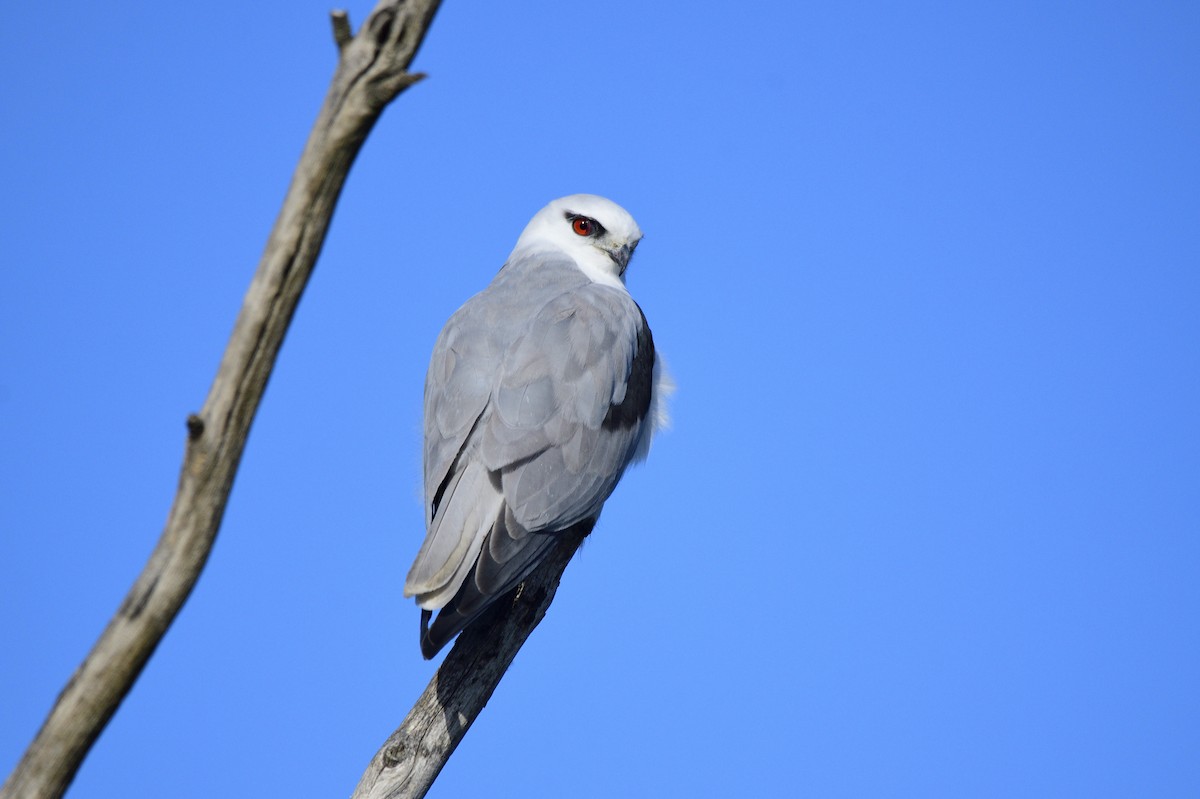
380 25
394 754
195 426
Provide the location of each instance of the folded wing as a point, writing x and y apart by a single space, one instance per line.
529 426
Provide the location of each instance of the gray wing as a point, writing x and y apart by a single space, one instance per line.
567 412
528 430
461 497
457 389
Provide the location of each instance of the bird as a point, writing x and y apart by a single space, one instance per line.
542 389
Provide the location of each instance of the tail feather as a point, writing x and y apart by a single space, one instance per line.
487 582
471 503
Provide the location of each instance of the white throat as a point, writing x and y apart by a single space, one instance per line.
599 268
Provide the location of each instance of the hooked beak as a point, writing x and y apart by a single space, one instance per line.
620 254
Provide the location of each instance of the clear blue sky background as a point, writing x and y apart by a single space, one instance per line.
928 276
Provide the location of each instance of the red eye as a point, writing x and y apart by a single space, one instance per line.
583 226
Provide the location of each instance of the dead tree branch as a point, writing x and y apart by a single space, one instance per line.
371 72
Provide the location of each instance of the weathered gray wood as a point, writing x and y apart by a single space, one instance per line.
412 757
371 72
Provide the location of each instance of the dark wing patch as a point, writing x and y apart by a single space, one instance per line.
632 409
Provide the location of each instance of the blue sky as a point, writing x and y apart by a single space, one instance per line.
928 277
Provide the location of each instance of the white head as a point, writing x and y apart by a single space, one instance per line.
599 234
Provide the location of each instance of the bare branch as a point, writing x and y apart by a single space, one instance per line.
412 757
342 34
372 70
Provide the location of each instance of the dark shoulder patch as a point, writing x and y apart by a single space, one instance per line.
634 407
